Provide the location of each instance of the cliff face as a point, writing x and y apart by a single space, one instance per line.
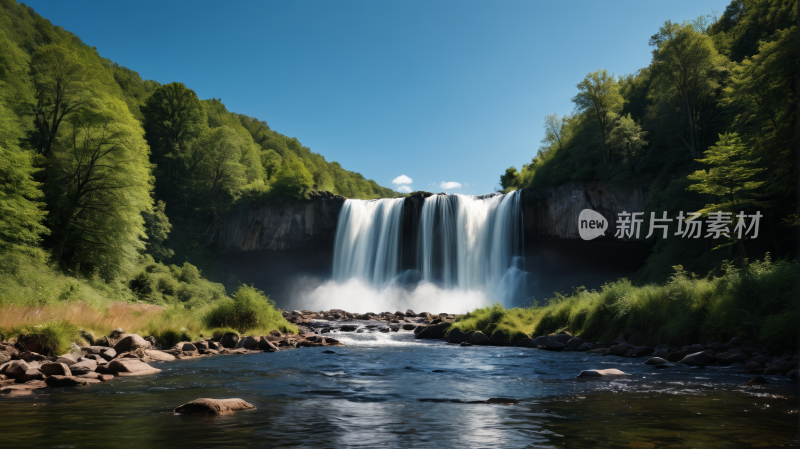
283 224
554 214
311 224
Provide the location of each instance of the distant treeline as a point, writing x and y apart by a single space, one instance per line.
710 125
98 166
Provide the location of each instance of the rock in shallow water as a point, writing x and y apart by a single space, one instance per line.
207 406
601 373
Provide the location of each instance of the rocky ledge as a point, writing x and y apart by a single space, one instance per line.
120 354
339 320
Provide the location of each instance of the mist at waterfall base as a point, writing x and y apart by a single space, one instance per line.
468 253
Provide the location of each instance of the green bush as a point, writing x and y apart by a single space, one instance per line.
167 337
189 274
218 332
248 309
53 337
167 285
143 285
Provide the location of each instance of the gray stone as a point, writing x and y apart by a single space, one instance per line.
655 361
229 340
207 406
456 335
130 343
56 369
611 372
478 338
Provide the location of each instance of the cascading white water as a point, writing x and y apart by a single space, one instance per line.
367 242
473 243
467 243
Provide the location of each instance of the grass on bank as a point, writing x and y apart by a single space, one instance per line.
758 302
169 302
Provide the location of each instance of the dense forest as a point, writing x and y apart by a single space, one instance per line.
710 125
99 167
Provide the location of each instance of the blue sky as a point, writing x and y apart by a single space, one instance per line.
439 91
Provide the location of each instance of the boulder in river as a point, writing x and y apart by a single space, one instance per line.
551 344
159 356
15 369
56 369
131 342
456 335
655 361
229 340
248 342
611 372
207 406
696 359
478 338
575 342
265 345
526 343
130 367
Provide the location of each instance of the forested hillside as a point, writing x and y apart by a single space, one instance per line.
710 125
99 167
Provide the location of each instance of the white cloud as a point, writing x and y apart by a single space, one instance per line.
466 185
402 179
448 185
405 189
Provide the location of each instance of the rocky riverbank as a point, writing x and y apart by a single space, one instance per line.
23 370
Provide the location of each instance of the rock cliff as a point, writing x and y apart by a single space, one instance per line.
281 224
553 213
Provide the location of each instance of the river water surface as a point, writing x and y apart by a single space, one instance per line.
389 390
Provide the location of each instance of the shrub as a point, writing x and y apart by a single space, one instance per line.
167 337
248 309
217 333
189 274
143 285
167 285
52 338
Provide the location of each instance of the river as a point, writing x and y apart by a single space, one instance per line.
389 390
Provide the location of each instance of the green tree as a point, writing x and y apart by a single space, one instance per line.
599 96
173 117
731 168
510 179
98 186
21 212
58 78
628 138
556 131
293 179
271 161
685 71
157 227
216 166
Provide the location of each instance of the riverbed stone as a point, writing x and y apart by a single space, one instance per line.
610 372
478 338
265 345
757 381
619 349
56 369
83 367
208 406
525 343
130 342
640 351
655 361
697 359
229 340
215 345
15 369
575 342
69 381
751 365
96 376
740 358
661 353
551 344
563 338
456 335
130 367
187 347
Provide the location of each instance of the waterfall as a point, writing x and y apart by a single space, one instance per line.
469 243
367 242
473 243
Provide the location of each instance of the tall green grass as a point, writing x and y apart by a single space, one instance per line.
248 310
757 302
